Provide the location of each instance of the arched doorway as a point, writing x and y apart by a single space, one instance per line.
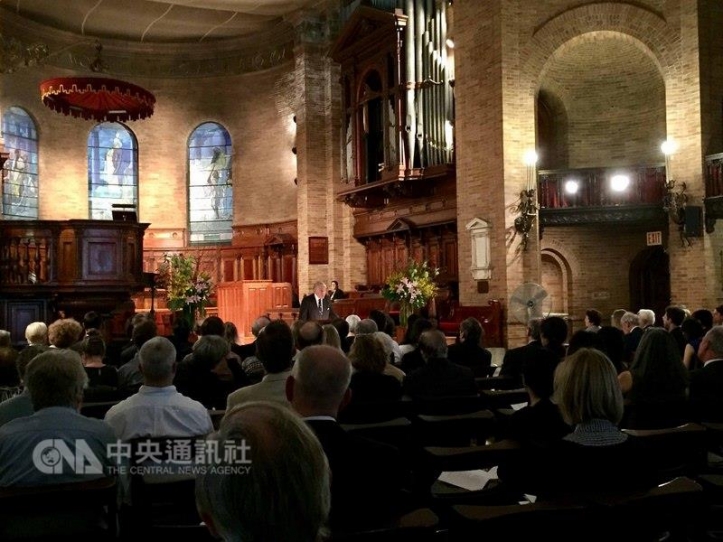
650 280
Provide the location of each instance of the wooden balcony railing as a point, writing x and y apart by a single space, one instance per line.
714 175
647 186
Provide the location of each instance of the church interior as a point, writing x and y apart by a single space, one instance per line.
567 146
541 158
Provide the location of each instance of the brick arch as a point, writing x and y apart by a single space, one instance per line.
562 264
646 28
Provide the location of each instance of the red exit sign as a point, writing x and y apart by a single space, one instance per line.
654 238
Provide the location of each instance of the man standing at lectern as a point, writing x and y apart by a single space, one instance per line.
317 306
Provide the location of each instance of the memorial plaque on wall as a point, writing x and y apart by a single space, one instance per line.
318 250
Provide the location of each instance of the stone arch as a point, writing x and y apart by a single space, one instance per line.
645 27
556 277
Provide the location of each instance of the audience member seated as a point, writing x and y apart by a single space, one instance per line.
583 338
275 347
469 351
363 471
205 376
613 346
389 345
250 363
596 456
553 334
540 423
158 409
129 375
633 333
331 336
21 405
439 377
368 381
342 327
55 380
385 324
706 383
413 360
672 320
230 333
37 333
515 358
102 378
284 495
408 342
693 331
91 321
129 352
181 332
705 317
310 333
230 368
656 384
64 333
8 371
353 321
593 320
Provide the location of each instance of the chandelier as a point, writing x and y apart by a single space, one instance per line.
101 99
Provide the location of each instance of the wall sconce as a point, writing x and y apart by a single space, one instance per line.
527 205
674 201
480 232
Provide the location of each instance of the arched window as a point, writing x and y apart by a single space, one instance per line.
112 169
210 199
20 172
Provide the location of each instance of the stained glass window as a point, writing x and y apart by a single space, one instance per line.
210 197
20 172
112 169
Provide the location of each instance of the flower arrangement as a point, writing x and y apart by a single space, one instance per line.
412 287
188 289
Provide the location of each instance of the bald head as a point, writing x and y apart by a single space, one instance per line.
310 333
319 381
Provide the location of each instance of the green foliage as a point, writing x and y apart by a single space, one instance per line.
413 285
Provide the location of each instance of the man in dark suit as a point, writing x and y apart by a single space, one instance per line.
367 476
633 334
515 358
706 384
439 377
317 306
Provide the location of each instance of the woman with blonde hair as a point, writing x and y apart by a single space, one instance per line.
368 381
596 455
331 336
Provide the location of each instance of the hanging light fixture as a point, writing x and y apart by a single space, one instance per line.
101 99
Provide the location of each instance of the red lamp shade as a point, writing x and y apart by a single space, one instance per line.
97 98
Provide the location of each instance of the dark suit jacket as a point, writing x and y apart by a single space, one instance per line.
440 378
246 350
706 392
471 355
310 310
515 359
680 340
367 477
632 340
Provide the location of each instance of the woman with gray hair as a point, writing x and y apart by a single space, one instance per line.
204 375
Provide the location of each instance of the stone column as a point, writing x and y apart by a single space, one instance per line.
495 125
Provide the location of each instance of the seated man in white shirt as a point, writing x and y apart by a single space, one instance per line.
158 410
275 348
